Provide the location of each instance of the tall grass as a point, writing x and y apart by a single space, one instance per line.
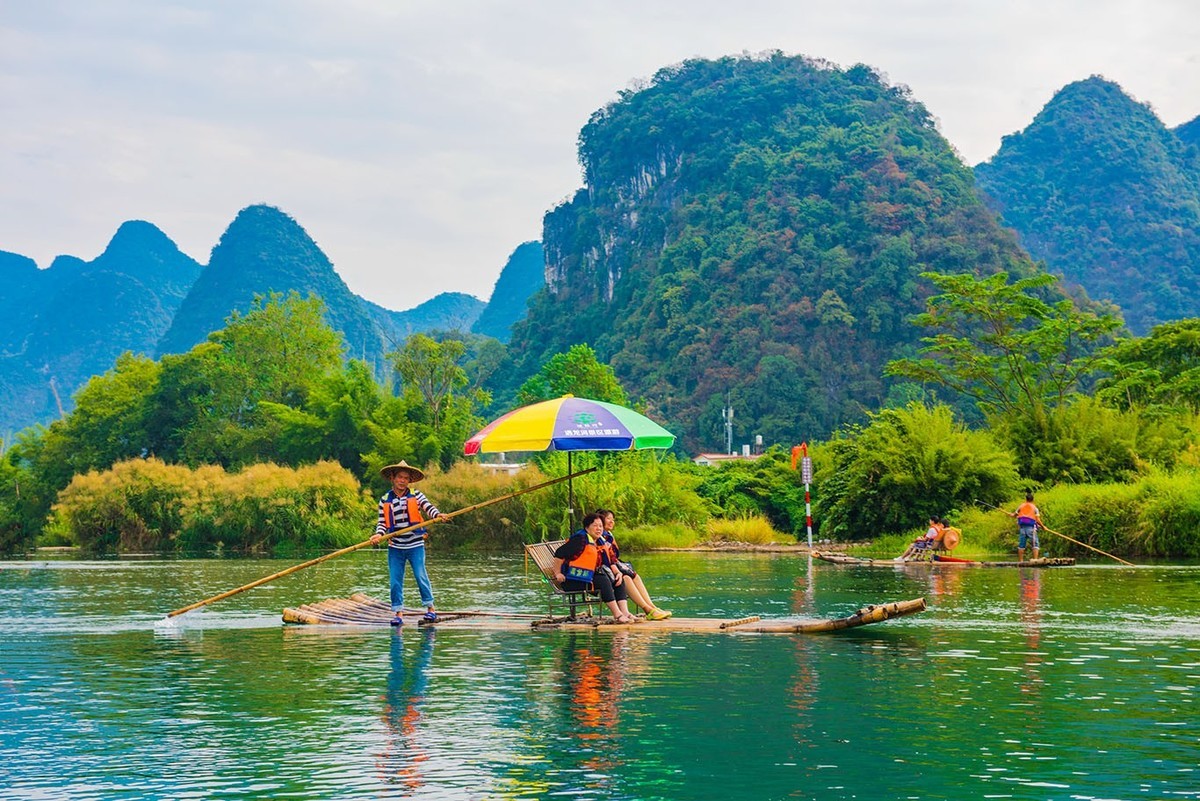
752 529
501 526
1155 516
146 505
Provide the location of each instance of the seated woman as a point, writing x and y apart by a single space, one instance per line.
927 541
578 566
634 586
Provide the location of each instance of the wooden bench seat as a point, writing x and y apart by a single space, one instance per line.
542 555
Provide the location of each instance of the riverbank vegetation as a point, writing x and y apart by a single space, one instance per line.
264 440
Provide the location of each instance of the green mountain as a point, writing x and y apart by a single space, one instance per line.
1189 132
19 275
523 274
62 325
264 250
448 311
751 231
1104 193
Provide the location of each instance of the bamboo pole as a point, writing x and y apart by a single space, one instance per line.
1065 537
1085 545
344 551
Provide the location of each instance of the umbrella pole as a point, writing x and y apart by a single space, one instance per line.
570 494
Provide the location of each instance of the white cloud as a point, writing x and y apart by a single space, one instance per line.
420 142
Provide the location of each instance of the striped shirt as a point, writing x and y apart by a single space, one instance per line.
409 539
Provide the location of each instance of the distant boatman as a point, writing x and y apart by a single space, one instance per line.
400 508
1029 519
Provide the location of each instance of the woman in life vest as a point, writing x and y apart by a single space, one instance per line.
399 509
581 565
1029 518
927 541
634 585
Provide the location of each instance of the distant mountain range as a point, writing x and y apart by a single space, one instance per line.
523 274
1103 192
62 325
750 235
265 250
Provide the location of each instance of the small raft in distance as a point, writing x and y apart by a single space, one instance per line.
363 610
940 561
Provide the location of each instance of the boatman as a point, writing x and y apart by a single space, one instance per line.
1029 519
400 508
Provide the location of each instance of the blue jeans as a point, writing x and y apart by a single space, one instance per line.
397 557
1027 534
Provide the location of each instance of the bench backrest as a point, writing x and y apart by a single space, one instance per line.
542 554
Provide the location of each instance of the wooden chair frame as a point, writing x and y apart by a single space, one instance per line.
542 554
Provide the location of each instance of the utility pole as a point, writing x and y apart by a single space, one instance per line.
727 416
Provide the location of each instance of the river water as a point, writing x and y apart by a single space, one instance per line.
1064 683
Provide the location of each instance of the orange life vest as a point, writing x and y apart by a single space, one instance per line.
608 549
414 514
583 567
1027 514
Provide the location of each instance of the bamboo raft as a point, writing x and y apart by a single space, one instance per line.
940 561
363 610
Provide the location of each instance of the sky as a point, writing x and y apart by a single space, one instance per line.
419 143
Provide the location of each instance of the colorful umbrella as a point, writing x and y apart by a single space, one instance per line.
569 424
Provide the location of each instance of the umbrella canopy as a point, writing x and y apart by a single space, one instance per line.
569 424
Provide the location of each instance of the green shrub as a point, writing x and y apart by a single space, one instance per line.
133 507
1076 443
643 488
500 526
146 505
660 535
1170 515
905 466
767 487
1105 516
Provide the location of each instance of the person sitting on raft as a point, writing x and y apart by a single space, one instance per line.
927 541
634 585
579 566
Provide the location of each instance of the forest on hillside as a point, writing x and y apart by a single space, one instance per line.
764 222
1105 194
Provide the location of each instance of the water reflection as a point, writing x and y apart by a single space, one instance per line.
805 591
1025 684
404 752
945 583
1031 626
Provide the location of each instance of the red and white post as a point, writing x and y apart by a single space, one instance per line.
801 451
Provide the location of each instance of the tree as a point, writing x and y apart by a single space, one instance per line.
209 404
576 372
278 349
1005 346
1159 371
108 422
431 369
